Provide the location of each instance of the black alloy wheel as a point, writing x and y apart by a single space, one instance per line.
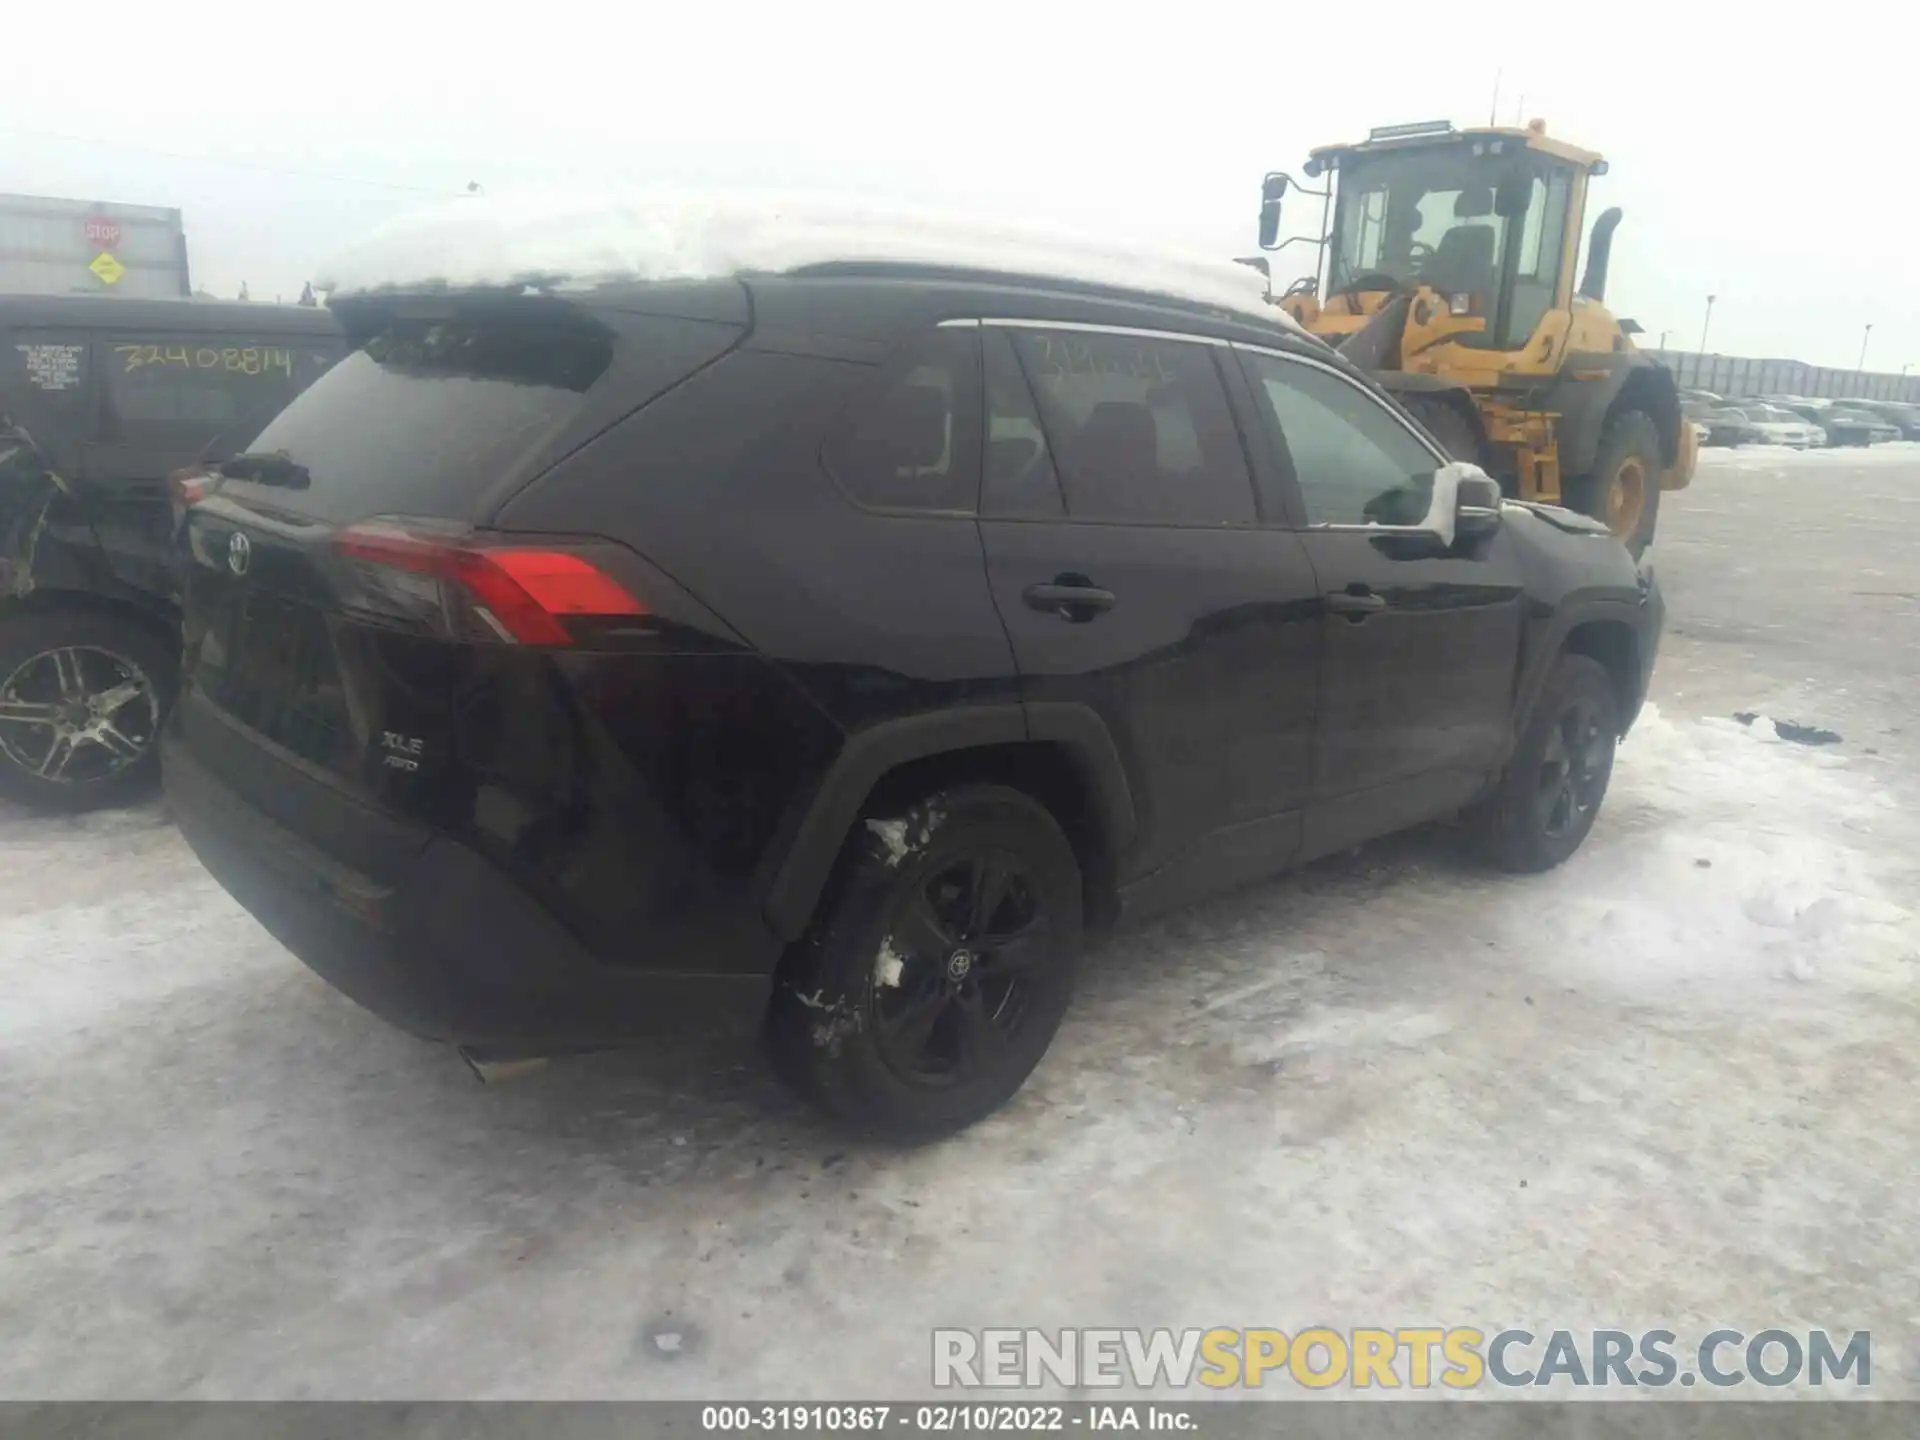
938 967
951 988
1551 791
1574 767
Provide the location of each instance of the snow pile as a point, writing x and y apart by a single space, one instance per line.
574 239
1727 858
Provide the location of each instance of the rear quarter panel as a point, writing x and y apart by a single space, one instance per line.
860 618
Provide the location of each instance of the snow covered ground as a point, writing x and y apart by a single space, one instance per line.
1671 1084
1900 453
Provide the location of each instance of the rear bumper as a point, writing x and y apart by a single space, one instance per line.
448 948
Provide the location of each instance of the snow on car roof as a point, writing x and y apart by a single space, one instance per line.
574 240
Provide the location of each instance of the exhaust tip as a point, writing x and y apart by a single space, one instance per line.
493 1068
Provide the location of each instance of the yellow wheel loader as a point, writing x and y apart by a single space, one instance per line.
1446 269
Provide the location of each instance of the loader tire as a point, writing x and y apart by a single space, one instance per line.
1446 424
1623 488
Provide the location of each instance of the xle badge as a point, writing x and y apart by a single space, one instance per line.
403 751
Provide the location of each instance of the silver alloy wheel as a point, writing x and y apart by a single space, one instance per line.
78 714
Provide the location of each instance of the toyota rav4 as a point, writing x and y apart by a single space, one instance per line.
837 639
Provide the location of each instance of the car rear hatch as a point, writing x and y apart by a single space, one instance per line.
344 591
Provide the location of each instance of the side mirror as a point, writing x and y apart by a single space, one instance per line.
1271 190
1476 505
1462 503
1465 502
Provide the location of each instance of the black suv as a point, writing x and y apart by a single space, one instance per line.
100 400
838 646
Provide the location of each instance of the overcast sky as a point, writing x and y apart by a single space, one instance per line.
1753 163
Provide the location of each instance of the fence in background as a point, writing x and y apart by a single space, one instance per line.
1735 375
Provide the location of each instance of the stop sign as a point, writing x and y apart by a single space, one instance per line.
102 233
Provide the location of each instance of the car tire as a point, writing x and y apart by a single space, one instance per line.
66 742
1622 490
1552 789
938 968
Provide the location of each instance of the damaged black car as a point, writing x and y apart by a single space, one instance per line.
101 400
833 649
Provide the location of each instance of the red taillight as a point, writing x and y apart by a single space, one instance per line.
520 593
563 584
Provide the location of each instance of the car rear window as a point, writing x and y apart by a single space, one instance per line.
429 414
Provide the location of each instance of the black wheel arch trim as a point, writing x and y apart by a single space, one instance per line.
1584 406
1546 650
792 885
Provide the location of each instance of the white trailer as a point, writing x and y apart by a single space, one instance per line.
51 246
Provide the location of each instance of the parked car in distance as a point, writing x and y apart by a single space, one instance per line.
837 640
1780 426
1904 418
1839 429
1726 426
1878 427
100 399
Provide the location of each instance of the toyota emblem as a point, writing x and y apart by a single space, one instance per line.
239 553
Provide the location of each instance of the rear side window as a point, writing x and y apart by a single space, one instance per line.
430 413
912 441
175 391
1139 426
1354 462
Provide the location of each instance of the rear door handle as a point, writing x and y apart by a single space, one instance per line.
1356 603
1070 597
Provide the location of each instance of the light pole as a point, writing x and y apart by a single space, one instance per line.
1706 322
1865 336
1663 339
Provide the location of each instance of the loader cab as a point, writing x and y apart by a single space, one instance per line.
1488 219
